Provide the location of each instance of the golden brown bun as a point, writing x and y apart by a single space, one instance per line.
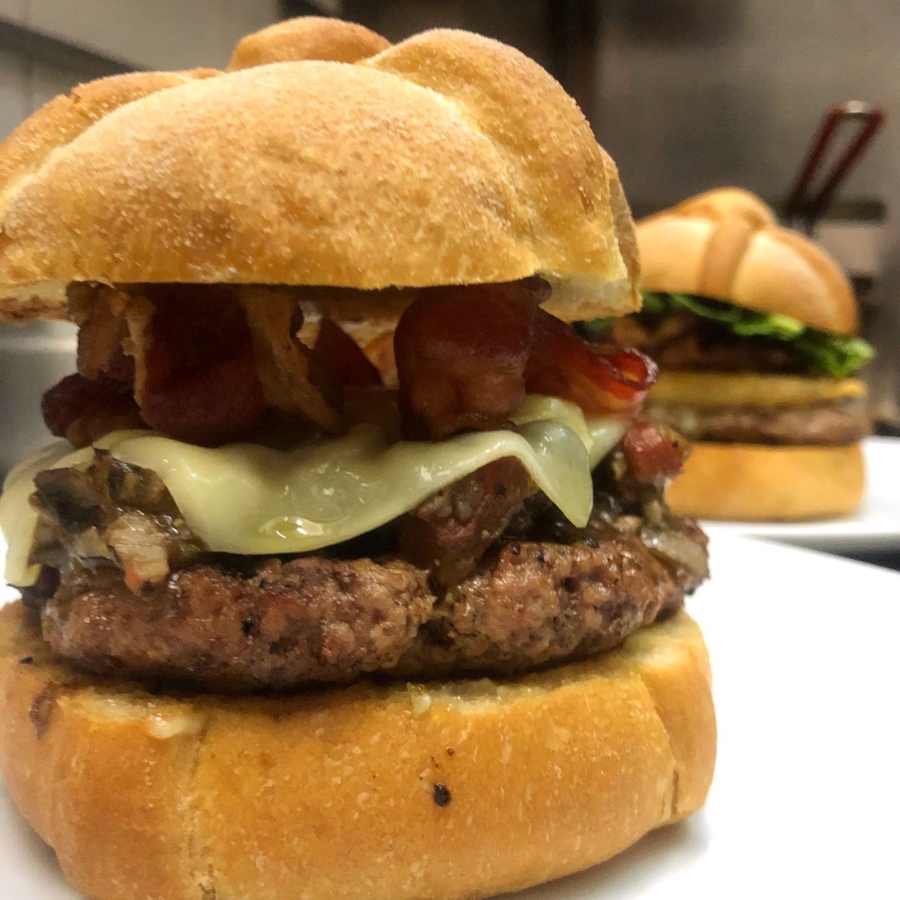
446 159
725 245
65 117
726 203
335 793
308 37
55 125
750 482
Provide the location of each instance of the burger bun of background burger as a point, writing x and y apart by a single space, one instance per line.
755 482
730 249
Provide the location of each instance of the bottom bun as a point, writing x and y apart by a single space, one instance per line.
435 791
747 482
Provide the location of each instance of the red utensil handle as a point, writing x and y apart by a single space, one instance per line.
811 208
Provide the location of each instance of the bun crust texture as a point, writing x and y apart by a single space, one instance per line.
307 37
444 791
445 159
725 245
753 482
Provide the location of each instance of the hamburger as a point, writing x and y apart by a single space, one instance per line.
755 330
287 632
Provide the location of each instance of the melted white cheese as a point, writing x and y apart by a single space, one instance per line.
250 499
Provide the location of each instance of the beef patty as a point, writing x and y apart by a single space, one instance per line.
833 423
484 576
229 624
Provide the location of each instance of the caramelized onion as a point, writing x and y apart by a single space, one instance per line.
679 549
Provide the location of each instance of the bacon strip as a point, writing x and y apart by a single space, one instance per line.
653 452
82 410
599 379
461 355
466 357
339 351
196 373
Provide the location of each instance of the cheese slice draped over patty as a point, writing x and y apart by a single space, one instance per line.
251 499
715 389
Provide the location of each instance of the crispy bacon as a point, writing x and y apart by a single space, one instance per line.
339 351
102 331
196 373
204 362
467 355
381 351
82 410
461 355
653 452
295 380
207 361
453 528
599 379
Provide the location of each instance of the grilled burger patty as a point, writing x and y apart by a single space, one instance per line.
225 624
486 576
830 424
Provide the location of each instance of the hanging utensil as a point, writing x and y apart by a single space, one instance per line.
805 207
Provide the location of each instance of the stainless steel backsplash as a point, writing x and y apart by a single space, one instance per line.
31 359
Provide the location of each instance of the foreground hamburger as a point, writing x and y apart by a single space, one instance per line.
285 632
754 328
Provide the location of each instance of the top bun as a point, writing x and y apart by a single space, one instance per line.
446 159
307 37
725 244
54 125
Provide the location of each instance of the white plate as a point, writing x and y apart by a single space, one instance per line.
806 793
875 526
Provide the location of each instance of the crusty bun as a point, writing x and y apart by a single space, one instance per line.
446 159
750 482
55 125
59 122
308 37
726 203
376 793
725 245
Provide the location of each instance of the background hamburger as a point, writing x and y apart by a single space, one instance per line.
481 560
754 330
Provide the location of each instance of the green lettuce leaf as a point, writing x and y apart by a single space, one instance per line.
837 356
829 354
